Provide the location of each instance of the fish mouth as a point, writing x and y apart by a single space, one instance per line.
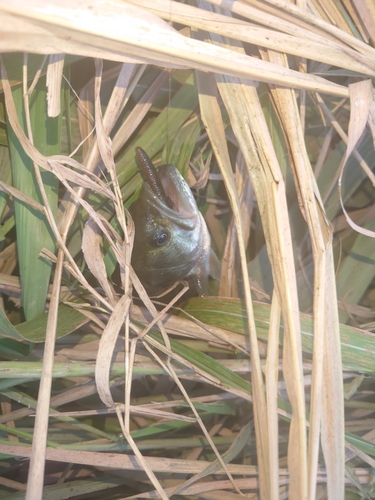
166 190
151 176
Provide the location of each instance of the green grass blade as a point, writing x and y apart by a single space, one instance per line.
75 488
356 271
207 364
10 348
179 149
33 232
34 330
154 138
357 346
5 176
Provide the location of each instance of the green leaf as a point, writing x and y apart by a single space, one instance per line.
75 488
356 271
34 330
14 349
207 364
33 232
357 346
179 149
69 319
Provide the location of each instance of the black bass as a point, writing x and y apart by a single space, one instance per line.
171 242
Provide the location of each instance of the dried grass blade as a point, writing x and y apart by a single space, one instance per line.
344 137
140 459
38 451
112 113
220 459
272 375
290 18
181 326
235 448
267 180
19 195
361 97
103 127
54 80
127 462
50 163
305 188
230 272
171 371
139 112
134 32
107 346
270 193
93 252
361 100
302 43
366 10
212 490
332 390
212 120
321 234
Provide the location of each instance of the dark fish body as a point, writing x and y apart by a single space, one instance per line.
171 238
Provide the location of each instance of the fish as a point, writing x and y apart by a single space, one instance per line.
171 241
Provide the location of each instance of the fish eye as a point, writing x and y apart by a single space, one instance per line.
159 238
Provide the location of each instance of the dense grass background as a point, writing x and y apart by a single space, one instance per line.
265 388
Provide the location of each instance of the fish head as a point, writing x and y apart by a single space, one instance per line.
171 242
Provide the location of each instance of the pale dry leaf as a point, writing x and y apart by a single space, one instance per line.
73 269
293 20
140 458
170 369
129 462
132 32
214 490
139 111
53 163
125 83
371 121
366 10
332 389
320 233
21 196
37 76
272 374
104 142
242 103
335 124
230 271
86 121
361 99
54 79
211 117
301 43
107 346
65 174
92 247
